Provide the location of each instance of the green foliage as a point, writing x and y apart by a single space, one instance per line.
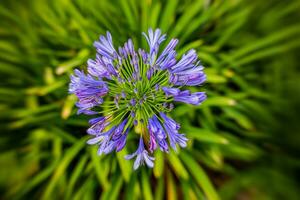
243 139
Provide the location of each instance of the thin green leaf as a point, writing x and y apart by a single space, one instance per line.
200 176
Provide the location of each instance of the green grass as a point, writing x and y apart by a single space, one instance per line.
243 139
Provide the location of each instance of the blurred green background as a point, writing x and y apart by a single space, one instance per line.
244 139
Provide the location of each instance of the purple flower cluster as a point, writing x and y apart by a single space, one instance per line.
136 88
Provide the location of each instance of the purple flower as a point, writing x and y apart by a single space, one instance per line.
110 67
150 73
156 129
123 94
168 57
186 62
115 138
88 90
168 61
105 46
133 102
152 142
102 140
98 125
172 128
190 77
128 48
135 62
85 111
136 88
118 139
154 39
132 114
194 98
141 155
97 68
185 96
187 71
170 91
143 55
119 130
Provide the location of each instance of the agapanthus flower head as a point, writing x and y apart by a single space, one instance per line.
133 90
